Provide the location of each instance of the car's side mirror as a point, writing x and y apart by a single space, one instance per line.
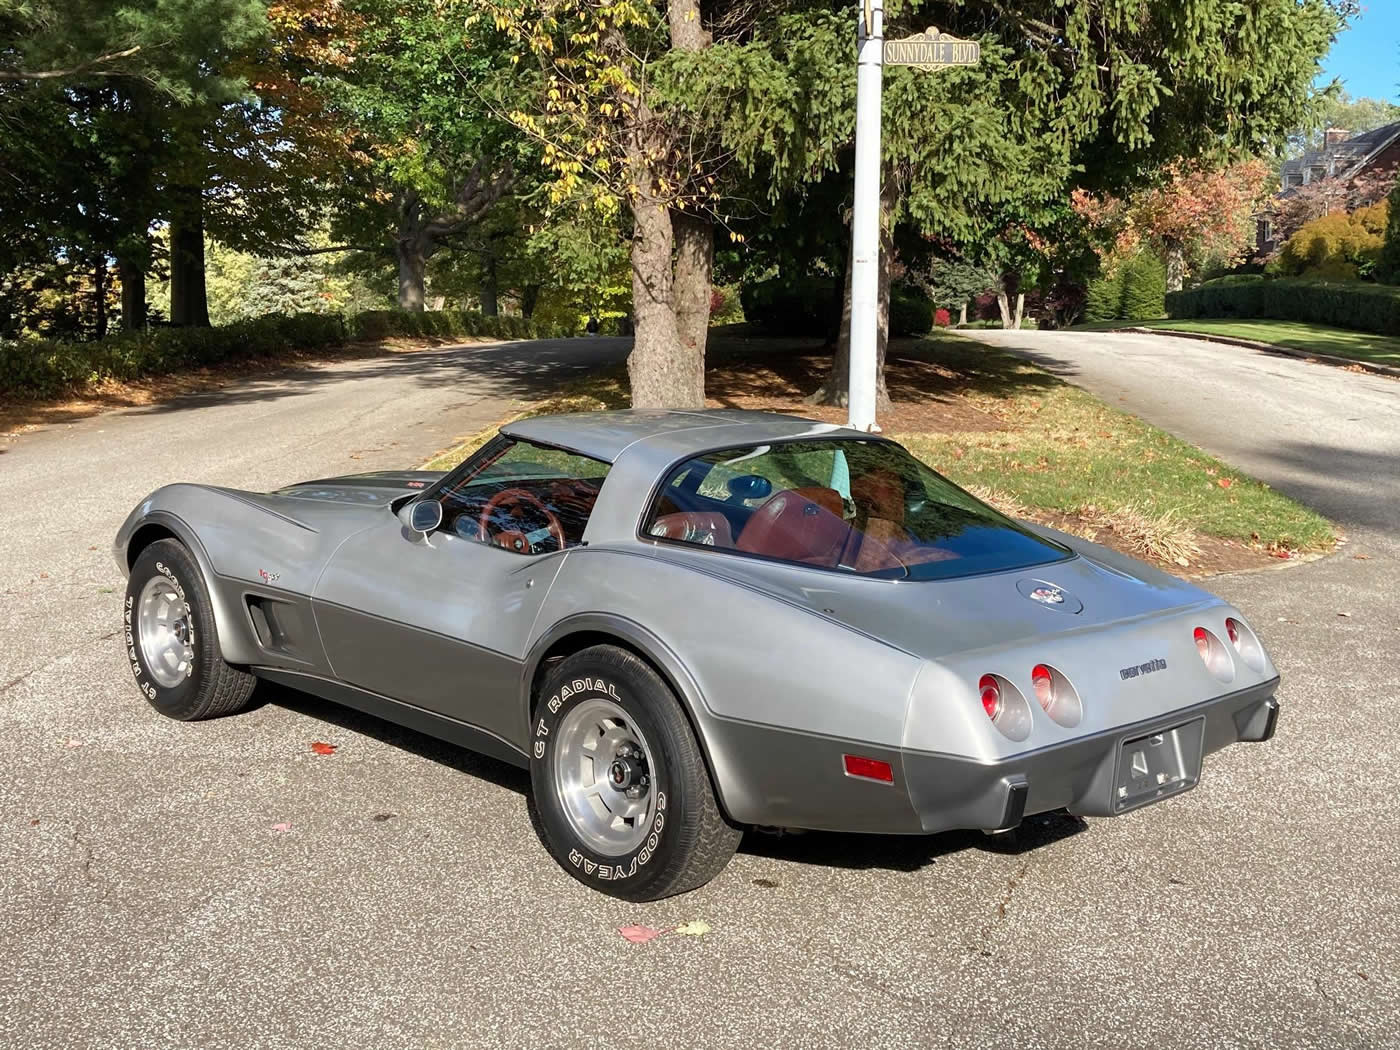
425 515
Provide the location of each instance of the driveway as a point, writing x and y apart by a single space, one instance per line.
149 901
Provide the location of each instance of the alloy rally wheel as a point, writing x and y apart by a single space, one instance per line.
171 640
623 795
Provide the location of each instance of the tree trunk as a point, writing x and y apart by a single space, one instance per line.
489 305
133 282
836 389
661 369
1176 265
882 313
189 304
412 264
1020 309
962 316
1004 307
529 299
99 281
695 261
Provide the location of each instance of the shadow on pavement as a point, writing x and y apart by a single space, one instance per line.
458 758
513 370
906 853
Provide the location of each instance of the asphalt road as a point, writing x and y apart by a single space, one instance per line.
148 901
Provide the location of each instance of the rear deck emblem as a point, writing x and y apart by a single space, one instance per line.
1050 595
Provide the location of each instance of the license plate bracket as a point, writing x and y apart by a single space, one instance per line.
1158 765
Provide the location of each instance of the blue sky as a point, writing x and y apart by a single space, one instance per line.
1367 56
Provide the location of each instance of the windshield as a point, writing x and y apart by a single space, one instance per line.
865 507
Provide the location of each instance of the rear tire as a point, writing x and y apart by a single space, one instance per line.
172 643
623 795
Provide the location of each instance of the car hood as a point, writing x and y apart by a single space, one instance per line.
335 505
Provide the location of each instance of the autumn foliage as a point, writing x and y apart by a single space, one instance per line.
1196 214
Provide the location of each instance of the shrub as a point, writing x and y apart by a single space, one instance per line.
1322 247
1133 290
911 312
1144 288
1103 300
942 318
792 306
46 367
1388 265
1354 304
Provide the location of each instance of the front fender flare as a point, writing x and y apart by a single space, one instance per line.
236 640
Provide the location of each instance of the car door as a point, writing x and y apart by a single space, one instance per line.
443 620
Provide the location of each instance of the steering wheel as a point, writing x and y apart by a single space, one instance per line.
514 539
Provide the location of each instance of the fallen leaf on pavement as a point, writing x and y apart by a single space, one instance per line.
73 743
693 929
33 823
1362 557
382 817
1343 614
322 748
281 829
638 934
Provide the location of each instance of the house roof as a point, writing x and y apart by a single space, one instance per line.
1344 159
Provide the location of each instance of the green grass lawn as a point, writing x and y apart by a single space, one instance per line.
1064 450
1314 338
1055 448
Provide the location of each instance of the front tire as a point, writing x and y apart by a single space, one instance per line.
623 795
172 644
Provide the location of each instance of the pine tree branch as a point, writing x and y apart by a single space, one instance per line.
82 67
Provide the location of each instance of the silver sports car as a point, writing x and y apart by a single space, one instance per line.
689 623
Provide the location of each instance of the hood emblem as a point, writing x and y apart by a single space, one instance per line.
269 577
1050 595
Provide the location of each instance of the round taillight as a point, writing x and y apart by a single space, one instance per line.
1043 682
1057 697
1213 655
1246 644
991 696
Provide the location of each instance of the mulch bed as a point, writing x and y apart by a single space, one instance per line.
924 394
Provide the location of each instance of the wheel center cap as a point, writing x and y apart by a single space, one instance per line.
627 773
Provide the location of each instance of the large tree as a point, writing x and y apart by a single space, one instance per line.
1101 93
415 96
612 141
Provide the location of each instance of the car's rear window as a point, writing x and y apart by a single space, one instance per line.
859 506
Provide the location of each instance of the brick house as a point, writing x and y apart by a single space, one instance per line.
1343 157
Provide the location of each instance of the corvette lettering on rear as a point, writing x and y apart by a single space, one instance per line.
1141 669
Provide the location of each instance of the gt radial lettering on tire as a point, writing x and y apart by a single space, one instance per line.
171 639
623 797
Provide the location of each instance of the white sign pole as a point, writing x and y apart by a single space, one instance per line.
865 222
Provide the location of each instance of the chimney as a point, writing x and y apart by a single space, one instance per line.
1333 136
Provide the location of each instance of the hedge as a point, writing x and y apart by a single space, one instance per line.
1364 307
47 368
812 306
1134 290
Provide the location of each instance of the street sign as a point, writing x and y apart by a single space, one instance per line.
927 50
932 50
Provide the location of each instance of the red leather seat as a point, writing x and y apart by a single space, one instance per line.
880 510
803 525
694 526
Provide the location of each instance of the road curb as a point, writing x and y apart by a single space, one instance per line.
1270 348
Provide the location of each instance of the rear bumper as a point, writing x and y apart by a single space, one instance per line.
781 778
1081 776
